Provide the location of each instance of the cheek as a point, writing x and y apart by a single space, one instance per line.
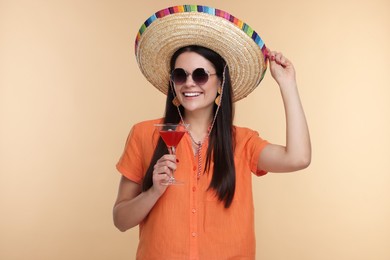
213 90
176 89
211 94
211 87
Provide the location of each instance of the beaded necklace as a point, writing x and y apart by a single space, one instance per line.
199 144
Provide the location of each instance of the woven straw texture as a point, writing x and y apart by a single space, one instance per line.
165 35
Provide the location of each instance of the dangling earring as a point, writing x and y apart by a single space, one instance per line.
218 99
176 102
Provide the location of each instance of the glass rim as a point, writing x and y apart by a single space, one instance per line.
172 124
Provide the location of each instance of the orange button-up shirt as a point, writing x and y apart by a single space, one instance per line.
188 221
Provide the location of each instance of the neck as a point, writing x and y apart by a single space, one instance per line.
199 125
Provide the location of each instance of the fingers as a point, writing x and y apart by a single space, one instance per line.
277 57
165 165
160 179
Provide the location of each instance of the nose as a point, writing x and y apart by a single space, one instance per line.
189 80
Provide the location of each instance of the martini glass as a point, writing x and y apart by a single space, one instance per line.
171 135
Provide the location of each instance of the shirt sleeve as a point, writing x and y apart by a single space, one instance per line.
251 144
130 163
258 144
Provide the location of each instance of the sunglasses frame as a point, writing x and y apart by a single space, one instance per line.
206 72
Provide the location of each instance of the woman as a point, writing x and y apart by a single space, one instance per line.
211 215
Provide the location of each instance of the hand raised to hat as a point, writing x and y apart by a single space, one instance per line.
282 70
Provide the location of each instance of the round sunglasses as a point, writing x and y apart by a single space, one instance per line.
200 76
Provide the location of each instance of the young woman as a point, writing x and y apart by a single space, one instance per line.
211 215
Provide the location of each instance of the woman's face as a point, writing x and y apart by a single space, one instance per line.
195 97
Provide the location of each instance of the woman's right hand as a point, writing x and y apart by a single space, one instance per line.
132 205
162 172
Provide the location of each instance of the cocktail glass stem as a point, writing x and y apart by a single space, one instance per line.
172 180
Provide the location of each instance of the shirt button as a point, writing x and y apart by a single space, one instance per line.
194 168
193 189
193 210
193 234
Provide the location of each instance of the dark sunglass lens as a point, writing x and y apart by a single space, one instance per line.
200 76
179 76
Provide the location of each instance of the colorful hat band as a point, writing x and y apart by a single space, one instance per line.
202 9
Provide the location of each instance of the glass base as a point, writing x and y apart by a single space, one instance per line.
172 181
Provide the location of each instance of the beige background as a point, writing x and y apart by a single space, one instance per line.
70 90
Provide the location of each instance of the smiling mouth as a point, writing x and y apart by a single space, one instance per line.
191 94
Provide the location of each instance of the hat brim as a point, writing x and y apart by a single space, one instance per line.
164 36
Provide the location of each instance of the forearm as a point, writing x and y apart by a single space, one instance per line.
298 147
129 213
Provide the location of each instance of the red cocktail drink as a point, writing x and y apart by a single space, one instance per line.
171 135
171 138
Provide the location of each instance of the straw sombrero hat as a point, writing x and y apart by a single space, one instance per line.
169 29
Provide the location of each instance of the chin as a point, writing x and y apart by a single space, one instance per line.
190 108
196 107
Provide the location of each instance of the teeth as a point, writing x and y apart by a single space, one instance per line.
192 94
